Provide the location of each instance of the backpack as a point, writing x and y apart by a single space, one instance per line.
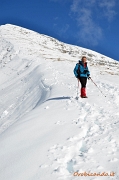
78 71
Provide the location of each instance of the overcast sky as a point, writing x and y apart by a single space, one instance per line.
92 24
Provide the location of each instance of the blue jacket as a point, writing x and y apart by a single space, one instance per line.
81 71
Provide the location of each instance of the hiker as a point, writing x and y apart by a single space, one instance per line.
82 73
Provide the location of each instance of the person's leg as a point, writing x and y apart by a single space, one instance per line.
83 81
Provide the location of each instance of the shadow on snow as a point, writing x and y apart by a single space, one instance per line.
58 98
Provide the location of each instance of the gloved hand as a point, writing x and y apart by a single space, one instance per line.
85 71
89 78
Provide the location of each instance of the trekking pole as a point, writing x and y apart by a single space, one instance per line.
77 90
97 87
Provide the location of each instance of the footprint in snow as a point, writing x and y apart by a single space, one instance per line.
60 123
114 160
47 107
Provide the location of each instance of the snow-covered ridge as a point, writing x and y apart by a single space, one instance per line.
46 43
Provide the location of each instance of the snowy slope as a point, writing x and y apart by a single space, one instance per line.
45 132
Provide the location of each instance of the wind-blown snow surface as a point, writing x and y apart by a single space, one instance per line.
45 132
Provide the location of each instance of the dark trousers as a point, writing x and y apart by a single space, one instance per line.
83 81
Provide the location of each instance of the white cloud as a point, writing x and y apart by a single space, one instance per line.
89 31
74 6
90 34
108 8
84 10
85 13
78 4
